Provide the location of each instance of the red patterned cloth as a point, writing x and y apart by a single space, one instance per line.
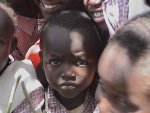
54 106
33 54
27 34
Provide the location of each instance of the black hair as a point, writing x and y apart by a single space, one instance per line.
135 36
73 20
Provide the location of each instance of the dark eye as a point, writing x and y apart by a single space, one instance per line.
81 63
55 62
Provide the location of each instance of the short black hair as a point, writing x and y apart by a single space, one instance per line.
71 20
135 36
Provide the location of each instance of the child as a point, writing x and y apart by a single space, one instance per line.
11 70
45 7
70 49
31 15
124 69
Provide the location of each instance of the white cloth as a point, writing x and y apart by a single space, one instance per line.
115 14
8 78
137 7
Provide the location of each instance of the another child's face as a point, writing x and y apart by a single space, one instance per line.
5 39
122 88
50 7
69 60
95 9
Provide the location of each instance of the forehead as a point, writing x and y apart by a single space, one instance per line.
116 70
114 64
4 20
62 38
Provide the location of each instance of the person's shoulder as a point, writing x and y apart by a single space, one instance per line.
27 72
24 64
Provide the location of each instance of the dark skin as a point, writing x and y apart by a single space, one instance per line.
50 7
6 34
95 6
124 86
46 12
27 9
69 63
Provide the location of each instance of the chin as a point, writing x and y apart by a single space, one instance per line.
68 95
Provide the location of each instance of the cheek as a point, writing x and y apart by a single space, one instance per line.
85 2
87 77
84 72
48 72
4 52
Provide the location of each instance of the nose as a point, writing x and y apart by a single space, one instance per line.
68 73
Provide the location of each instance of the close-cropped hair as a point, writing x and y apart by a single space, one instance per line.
135 37
72 20
11 15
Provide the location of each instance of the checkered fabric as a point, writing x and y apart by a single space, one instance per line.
54 106
27 34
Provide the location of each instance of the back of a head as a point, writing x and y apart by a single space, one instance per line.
73 20
135 37
11 18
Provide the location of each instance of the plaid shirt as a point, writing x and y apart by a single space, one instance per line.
54 106
115 13
27 34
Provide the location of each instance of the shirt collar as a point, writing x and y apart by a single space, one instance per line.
54 103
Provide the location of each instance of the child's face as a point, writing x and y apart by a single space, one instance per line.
122 88
5 38
50 7
69 60
95 9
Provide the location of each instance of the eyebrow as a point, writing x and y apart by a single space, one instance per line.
54 54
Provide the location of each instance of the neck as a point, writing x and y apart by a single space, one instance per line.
72 103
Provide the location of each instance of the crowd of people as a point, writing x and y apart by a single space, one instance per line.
74 56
